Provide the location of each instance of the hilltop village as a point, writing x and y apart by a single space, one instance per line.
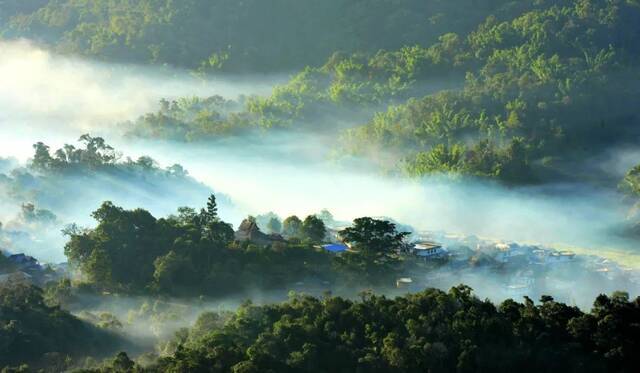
439 260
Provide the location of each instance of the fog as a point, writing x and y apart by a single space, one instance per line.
290 175
64 94
44 97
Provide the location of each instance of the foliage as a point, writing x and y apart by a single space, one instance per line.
629 186
523 98
57 183
345 86
292 227
373 237
5 263
191 119
236 36
188 254
374 247
263 221
555 83
313 229
274 225
429 331
33 332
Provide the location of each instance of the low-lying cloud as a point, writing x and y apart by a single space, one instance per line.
50 98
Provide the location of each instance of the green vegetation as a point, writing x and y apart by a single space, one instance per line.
292 226
5 264
313 229
630 188
430 331
33 332
69 178
96 155
347 86
275 225
191 119
9 8
551 88
630 185
542 91
374 249
239 36
521 92
192 254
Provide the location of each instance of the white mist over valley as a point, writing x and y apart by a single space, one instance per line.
319 186
55 99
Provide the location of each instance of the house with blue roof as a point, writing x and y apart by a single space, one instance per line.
335 248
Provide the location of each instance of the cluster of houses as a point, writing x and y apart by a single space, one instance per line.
510 252
495 252
515 269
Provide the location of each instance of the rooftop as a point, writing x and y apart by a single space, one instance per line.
335 248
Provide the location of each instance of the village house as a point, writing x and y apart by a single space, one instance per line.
404 283
551 257
507 252
560 257
249 231
335 248
429 250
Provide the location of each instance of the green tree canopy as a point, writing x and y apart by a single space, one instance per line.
292 227
313 229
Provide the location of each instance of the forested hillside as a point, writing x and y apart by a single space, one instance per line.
62 186
529 99
551 89
485 144
52 177
254 35
431 331
195 253
43 335
522 93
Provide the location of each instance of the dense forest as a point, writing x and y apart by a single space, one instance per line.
31 330
552 88
195 253
253 36
428 331
534 100
431 330
50 175
523 92
528 99
60 187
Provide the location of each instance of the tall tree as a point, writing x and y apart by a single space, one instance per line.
292 226
373 237
212 207
373 256
313 228
274 225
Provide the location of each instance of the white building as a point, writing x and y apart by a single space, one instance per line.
429 250
559 257
403 283
509 251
